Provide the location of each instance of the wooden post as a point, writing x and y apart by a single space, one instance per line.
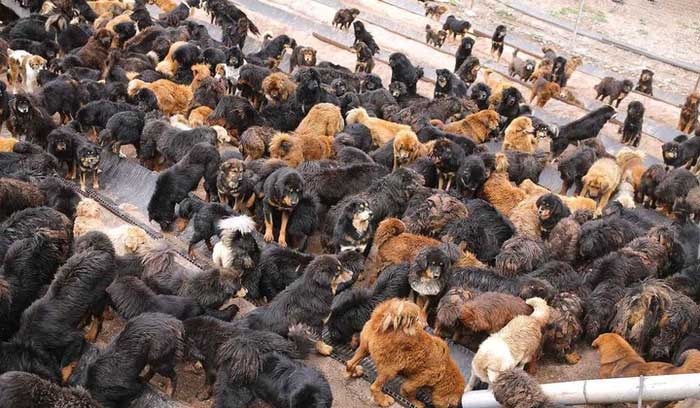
578 20
697 83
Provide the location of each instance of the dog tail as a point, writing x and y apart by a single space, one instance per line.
540 310
242 358
302 337
437 123
136 85
357 115
239 223
401 315
387 229
626 154
156 258
501 163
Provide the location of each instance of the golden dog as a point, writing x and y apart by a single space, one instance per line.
477 126
382 130
601 181
407 148
520 136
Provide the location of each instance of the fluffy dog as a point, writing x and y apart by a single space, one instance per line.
688 120
463 51
313 138
302 57
564 326
352 230
572 65
254 142
521 68
650 180
456 27
361 34
520 136
271 54
401 322
29 121
403 71
436 38
516 344
525 166
382 131
499 191
618 359
365 60
599 237
632 128
94 54
277 88
15 387
434 10
87 160
543 91
543 70
205 218
283 191
574 166
682 151
499 35
675 186
601 181
471 175
614 89
344 17
550 210
477 126
16 195
491 311
519 255
393 245
407 148
447 84
516 389
644 85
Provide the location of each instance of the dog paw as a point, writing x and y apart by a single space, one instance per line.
269 237
355 372
383 400
282 242
323 348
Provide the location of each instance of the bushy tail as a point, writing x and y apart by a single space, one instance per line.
135 85
357 115
239 223
540 310
387 229
242 359
501 163
303 338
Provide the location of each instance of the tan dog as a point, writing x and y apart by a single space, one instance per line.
477 126
382 130
631 163
312 139
277 87
24 69
514 345
127 239
393 245
499 191
397 343
543 91
572 65
7 144
618 359
407 148
165 5
543 70
601 181
199 116
172 98
103 6
520 136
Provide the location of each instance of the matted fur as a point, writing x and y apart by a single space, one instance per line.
516 389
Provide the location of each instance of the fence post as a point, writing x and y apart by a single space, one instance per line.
697 83
578 20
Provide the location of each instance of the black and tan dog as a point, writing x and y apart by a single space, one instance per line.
456 27
283 191
303 57
87 160
550 210
436 38
645 83
365 60
497 42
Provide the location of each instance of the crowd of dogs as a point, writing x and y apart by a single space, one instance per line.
421 232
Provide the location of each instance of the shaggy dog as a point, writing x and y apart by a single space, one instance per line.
365 60
436 38
477 126
491 311
619 359
434 10
162 143
600 307
309 91
94 54
393 245
559 71
123 128
456 27
599 237
509 106
344 17
397 322
674 187
430 215
361 34
497 40
572 167
87 160
238 249
283 191
254 142
516 389
407 149
550 210
650 180
499 191
516 344
521 68
519 255
447 157
543 70
564 327
352 230
601 181
335 183
16 195
174 183
688 120
471 175
581 129
644 85
205 218
403 71
682 151
632 128
172 97
520 136
277 88
302 57
447 84
271 54
15 386
632 164
382 131
307 300
463 52
24 70
480 93
616 90
525 166
572 65
310 140
29 121
543 91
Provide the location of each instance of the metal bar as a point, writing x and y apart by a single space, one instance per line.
578 21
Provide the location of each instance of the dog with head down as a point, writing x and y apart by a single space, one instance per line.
277 88
477 126
601 181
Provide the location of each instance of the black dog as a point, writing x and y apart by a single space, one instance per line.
14 387
480 94
124 128
681 151
573 167
581 129
497 41
365 59
456 27
550 210
174 183
469 70
87 160
205 217
559 71
447 84
644 85
309 92
62 143
632 128
471 175
616 90
278 268
271 55
353 229
283 191
464 51
403 71
30 121
362 35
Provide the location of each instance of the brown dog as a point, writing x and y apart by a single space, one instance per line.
520 136
477 126
94 54
601 181
407 148
689 113
499 191
434 10
395 339
543 91
254 141
618 359
491 311
277 88
7 144
543 70
393 245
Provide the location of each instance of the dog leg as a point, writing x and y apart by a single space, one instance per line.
352 367
83 176
67 371
207 242
564 188
323 348
282 240
380 398
603 202
473 379
440 180
95 180
409 389
209 379
269 234
169 373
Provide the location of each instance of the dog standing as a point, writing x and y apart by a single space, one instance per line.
497 42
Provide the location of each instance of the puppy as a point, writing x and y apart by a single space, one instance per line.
477 126
302 57
283 191
499 35
601 181
614 89
543 91
456 27
436 38
87 160
572 65
688 120
516 344
520 136
277 88
401 322
237 247
434 10
645 83
618 359
522 68
516 389
365 60
344 17
632 128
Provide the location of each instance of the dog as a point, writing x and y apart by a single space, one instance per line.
477 126
365 60
277 88
674 187
402 70
254 142
631 129
516 344
14 386
550 210
543 70
601 181
344 17
522 68
434 10
618 359
520 136
87 160
29 121
463 51
24 69
544 90
302 57
499 191
572 167
650 180
490 311
352 230
688 121
616 90
447 84
382 130
436 38
361 34
271 55
16 195
237 248
407 149
516 389
283 191
572 65
456 27
401 322
682 151
499 35
645 83
94 54
564 326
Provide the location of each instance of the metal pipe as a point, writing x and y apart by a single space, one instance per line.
607 391
578 20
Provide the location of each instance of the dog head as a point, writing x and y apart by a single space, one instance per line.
646 76
36 63
360 213
22 105
670 151
501 32
635 109
471 175
443 77
200 71
308 56
490 119
231 172
290 188
550 206
627 86
520 126
370 82
596 185
233 112
275 87
398 89
61 140
328 272
359 28
612 347
339 86
103 38
88 156
405 147
428 271
399 315
235 57
511 98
